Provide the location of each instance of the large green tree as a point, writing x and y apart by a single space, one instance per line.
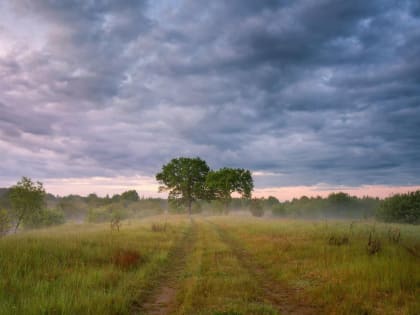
27 199
185 179
222 183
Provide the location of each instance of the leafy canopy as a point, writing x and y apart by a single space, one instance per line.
130 195
402 208
185 179
27 199
222 183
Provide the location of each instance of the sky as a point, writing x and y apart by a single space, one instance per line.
312 96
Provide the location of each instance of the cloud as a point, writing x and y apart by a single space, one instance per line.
315 91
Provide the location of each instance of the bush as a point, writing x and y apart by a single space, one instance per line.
116 218
100 214
44 218
127 259
402 208
256 208
4 222
338 240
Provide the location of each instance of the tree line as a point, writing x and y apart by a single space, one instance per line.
193 188
27 204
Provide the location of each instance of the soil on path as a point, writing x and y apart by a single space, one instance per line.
162 298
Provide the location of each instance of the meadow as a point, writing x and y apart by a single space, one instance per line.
213 265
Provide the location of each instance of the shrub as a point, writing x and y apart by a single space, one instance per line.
126 259
116 218
107 213
100 214
4 222
44 218
374 244
256 208
278 210
338 240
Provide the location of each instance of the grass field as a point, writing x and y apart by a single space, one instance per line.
213 265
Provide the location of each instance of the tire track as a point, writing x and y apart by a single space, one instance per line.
161 298
282 297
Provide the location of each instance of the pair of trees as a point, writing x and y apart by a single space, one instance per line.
190 179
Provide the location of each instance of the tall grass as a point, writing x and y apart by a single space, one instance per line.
343 279
77 269
89 269
215 282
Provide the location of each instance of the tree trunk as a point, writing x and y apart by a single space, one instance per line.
189 207
19 220
226 206
17 225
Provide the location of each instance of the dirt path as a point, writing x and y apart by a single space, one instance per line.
162 299
283 298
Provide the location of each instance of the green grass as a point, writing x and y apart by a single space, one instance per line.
341 279
72 270
214 282
230 267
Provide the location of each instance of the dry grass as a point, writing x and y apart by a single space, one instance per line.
127 259
159 227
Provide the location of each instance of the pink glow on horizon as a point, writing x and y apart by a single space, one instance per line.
288 193
147 186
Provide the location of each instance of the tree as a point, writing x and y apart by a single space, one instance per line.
185 179
272 201
402 208
130 195
27 199
222 183
256 208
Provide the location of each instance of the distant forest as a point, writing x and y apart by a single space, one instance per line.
403 208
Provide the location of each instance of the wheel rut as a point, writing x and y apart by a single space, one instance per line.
283 298
162 297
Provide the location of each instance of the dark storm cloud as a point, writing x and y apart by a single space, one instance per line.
317 91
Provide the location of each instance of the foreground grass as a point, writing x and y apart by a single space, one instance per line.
79 269
230 266
341 279
215 282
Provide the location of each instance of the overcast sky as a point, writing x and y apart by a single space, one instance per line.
308 93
